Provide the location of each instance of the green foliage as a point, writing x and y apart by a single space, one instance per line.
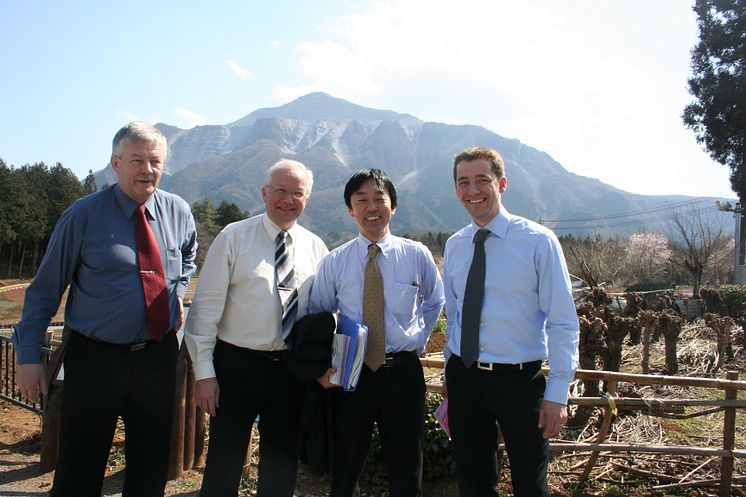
228 213
438 459
32 198
718 84
89 183
211 221
734 298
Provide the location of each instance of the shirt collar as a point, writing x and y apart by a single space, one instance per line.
385 244
498 226
272 229
129 206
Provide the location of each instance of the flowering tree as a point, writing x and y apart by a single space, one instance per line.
648 256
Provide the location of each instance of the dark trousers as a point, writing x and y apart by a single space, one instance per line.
103 382
480 400
253 383
393 398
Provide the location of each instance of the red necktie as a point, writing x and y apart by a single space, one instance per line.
153 279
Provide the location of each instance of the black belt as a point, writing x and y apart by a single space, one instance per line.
129 347
268 355
499 368
396 358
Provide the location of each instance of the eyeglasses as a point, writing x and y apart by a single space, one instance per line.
285 193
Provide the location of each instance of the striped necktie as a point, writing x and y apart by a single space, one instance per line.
471 311
153 278
286 285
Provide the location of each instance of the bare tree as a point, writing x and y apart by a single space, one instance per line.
697 238
596 259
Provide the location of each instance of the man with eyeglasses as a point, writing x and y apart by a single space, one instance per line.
254 284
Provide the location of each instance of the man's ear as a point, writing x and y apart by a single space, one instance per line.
114 163
349 211
503 184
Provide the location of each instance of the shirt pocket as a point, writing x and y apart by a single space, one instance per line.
405 303
173 264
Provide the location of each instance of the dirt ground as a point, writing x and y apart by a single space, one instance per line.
20 439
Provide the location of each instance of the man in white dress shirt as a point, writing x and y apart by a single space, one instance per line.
524 314
391 389
234 334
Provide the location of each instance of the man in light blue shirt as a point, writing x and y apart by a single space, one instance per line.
527 315
391 391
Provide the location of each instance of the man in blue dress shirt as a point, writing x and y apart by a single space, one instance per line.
391 394
114 365
527 315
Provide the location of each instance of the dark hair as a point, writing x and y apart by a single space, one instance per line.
497 165
356 181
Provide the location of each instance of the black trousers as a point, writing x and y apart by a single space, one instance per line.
253 383
479 401
103 382
393 398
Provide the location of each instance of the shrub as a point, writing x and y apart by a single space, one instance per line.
438 459
734 298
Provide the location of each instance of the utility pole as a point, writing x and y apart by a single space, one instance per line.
739 278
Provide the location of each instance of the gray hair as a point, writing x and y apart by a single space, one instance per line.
290 164
138 131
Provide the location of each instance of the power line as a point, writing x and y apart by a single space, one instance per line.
654 219
631 213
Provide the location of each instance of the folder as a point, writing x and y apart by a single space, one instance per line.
348 352
441 414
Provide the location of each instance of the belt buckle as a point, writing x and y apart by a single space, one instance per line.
388 360
486 366
137 346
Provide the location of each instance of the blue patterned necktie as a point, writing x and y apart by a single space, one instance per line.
471 312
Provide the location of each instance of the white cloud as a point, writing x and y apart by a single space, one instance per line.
189 119
584 82
238 70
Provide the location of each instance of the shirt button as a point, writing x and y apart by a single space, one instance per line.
481 349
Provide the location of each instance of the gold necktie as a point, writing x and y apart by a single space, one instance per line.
375 352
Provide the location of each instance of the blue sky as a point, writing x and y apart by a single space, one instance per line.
598 84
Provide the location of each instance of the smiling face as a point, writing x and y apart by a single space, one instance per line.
370 207
479 189
285 195
139 168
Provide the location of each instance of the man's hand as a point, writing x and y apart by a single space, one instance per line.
178 324
324 379
552 417
444 390
207 395
30 381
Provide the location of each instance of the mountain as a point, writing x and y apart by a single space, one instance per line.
335 138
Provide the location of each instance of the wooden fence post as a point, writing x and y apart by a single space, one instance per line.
729 435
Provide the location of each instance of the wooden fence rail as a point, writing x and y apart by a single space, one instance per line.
730 385
188 440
